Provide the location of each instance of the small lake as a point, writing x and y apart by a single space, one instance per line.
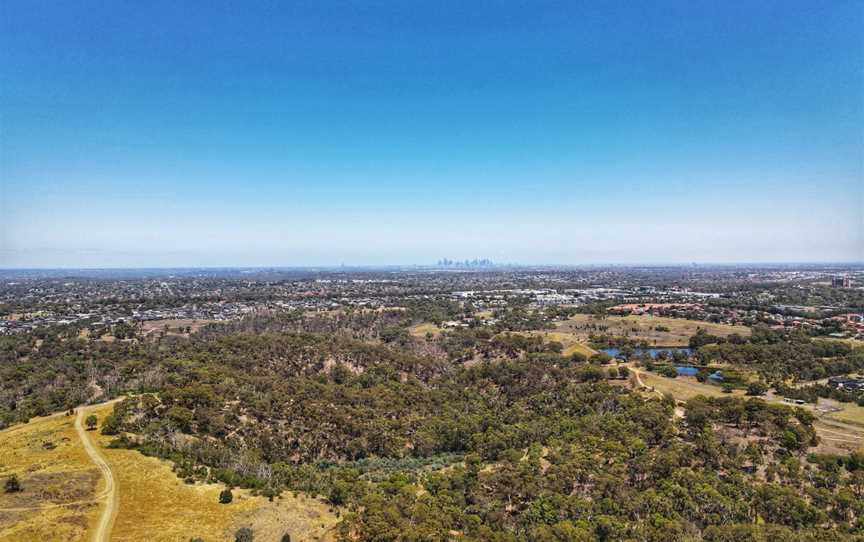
686 370
653 352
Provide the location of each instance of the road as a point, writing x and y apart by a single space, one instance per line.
106 520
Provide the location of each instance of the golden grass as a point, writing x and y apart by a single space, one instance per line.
59 483
643 327
420 330
849 413
683 388
583 349
571 343
174 326
154 504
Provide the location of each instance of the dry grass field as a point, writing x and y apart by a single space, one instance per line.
174 327
60 483
849 413
683 388
571 342
420 330
644 327
153 504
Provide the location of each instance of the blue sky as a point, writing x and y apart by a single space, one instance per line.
309 133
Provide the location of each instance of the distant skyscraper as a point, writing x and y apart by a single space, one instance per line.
841 282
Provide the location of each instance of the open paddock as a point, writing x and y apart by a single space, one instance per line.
176 327
644 328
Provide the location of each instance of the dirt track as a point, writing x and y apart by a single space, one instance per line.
106 520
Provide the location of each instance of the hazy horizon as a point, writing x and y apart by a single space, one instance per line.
215 135
457 267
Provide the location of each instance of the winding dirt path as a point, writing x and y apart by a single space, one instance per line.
106 520
637 376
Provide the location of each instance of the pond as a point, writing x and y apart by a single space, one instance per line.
687 370
652 351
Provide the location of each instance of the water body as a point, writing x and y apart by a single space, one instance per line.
687 370
653 352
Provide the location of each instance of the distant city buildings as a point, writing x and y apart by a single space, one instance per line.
841 282
468 264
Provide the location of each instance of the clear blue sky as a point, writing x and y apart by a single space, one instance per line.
307 133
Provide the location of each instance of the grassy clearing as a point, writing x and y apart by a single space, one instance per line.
644 327
420 330
854 343
849 413
583 349
683 388
60 484
571 343
175 327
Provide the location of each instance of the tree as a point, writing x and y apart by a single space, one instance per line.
91 422
111 425
757 388
338 493
244 534
669 372
182 417
286 538
601 358
12 484
626 352
226 496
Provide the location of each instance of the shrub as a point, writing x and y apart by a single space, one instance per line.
756 388
12 484
601 358
592 373
226 496
578 357
111 425
244 534
669 372
91 422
